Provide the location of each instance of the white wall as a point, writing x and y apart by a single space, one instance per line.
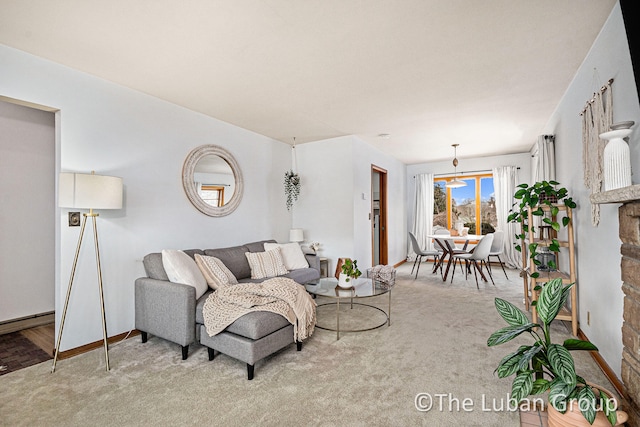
335 173
363 157
598 248
117 131
521 160
27 164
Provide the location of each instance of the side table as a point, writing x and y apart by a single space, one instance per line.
324 267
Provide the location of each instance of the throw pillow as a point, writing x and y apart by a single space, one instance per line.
292 254
181 268
215 272
266 264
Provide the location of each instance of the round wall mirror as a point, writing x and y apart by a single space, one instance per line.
212 180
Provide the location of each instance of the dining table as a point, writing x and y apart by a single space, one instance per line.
444 242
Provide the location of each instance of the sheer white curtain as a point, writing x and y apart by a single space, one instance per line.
505 181
544 159
423 212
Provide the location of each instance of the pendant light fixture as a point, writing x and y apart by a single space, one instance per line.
456 183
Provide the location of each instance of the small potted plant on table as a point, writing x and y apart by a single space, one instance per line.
349 273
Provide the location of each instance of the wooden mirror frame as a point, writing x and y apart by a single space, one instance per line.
188 183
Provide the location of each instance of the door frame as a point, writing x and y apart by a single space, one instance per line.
383 240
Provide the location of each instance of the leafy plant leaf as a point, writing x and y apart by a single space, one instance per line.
509 365
508 333
562 364
549 301
510 313
527 356
609 407
574 344
559 391
565 293
522 386
540 386
587 403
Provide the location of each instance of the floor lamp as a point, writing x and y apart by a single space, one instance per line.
87 191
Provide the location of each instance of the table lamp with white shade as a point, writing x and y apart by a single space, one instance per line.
87 191
296 235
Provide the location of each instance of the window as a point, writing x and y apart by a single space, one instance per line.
473 205
213 195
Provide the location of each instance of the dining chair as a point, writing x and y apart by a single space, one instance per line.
441 252
496 249
421 253
479 255
452 244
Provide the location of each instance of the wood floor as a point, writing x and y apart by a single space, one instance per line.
42 336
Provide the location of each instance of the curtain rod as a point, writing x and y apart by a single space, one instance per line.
602 89
463 172
460 173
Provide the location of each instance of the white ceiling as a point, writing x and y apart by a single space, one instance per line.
484 74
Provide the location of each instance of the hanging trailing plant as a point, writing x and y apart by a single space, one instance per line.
291 187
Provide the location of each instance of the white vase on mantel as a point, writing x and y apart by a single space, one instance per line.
616 159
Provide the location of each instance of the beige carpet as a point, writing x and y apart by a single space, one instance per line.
436 344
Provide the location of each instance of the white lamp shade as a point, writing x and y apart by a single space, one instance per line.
456 183
89 191
296 235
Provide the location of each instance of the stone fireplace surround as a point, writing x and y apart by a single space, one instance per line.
629 231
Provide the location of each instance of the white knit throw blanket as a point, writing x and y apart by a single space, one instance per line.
383 273
279 295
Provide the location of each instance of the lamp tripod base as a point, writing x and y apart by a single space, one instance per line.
66 301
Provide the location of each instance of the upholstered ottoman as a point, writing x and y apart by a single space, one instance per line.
250 338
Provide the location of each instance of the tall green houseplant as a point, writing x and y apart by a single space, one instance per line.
544 365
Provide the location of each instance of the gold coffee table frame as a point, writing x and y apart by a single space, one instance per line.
363 288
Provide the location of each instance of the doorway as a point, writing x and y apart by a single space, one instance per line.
379 215
28 222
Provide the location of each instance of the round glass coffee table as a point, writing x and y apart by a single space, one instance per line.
362 288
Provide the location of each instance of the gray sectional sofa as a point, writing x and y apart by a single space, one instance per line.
170 310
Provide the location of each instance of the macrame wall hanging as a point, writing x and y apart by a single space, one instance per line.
597 117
